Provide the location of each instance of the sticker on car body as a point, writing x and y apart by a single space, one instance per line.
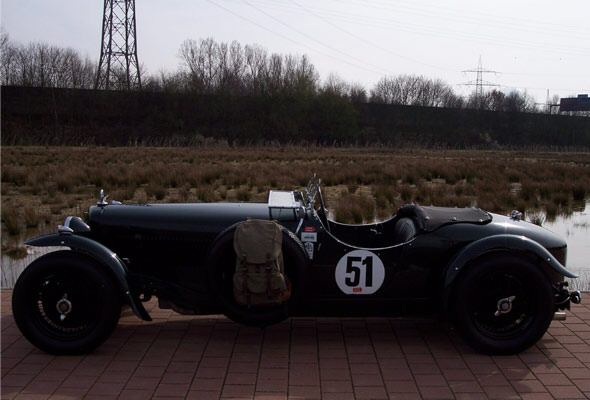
309 236
309 249
359 272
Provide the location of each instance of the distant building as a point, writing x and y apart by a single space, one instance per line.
580 104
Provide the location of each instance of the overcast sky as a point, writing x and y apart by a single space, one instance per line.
534 44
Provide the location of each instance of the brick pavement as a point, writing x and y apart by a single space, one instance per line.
210 357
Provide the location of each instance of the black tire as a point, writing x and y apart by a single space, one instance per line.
221 267
477 297
94 310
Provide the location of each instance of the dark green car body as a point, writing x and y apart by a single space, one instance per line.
167 250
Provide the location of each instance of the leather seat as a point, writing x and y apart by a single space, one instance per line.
404 230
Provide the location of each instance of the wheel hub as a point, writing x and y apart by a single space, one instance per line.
504 306
64 307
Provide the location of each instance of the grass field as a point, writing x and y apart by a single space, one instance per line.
41 185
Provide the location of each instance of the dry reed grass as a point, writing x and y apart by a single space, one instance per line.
42 184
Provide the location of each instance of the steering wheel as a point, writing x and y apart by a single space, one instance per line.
322 211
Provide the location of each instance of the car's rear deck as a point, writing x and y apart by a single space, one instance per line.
204 357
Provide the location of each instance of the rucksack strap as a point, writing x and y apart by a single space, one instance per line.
245 286
242 261
268 275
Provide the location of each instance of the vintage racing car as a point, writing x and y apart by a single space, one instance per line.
499 279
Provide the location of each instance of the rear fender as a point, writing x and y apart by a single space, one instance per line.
102 255
512 243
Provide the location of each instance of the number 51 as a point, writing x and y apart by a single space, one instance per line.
353 267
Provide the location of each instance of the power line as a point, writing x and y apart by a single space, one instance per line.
293 40
554 89
384 71
482 83
386 19
321 14
542 74
428 30
364 40
460 15
544 88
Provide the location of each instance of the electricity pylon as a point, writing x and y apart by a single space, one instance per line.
118 67
479 83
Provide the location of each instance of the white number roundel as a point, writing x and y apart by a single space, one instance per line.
359 272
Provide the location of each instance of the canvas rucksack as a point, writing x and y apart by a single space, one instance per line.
259 277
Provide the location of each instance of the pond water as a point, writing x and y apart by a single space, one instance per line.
575 228
12 268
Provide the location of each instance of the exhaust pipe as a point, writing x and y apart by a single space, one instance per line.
559 316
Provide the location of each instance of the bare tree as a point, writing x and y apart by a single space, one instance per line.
496 100
414 90
256 64
42 65
492 100
304 78
335 85
8 58
519 102
212 67
357 93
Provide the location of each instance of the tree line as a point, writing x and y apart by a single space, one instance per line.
209 67
43 65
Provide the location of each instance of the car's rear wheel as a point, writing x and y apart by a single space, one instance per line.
503 304
64 303
221 268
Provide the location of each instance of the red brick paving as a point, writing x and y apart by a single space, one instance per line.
211 357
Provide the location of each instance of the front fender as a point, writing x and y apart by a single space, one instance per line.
101 254
502 242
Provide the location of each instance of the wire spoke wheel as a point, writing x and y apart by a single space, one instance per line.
497 288
66 303
65 306
502 304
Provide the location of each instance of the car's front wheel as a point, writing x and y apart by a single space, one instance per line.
502 304
64 303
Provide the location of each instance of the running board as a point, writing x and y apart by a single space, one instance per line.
559 316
